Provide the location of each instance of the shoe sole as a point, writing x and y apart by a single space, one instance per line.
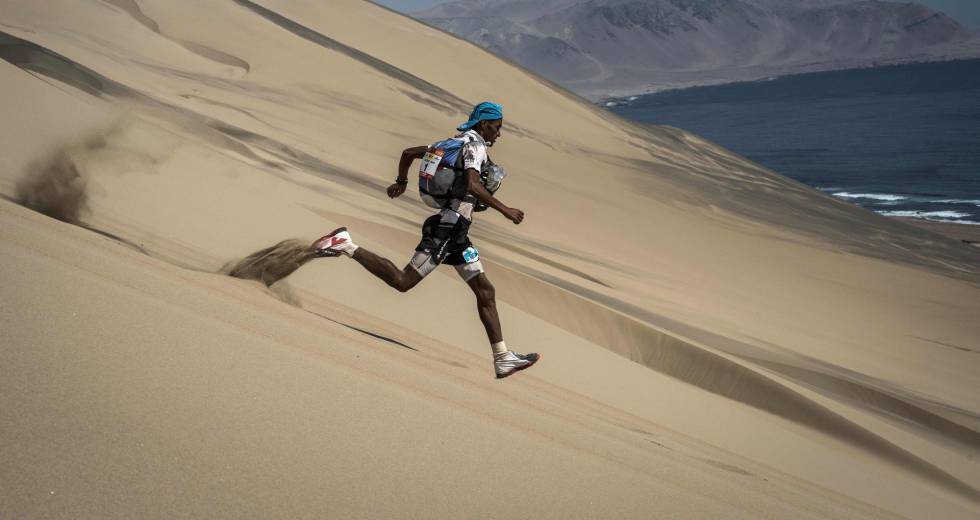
516 370
327 252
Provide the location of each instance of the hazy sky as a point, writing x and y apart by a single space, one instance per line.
966 12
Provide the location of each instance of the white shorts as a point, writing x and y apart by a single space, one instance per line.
425 263
445 241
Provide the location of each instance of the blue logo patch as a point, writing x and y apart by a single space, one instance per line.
470 255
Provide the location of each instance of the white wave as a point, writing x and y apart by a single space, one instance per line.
970 222
958 201
924 214
872 196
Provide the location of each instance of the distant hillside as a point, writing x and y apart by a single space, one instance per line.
602 47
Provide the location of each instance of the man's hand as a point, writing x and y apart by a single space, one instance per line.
409 155
396 189
476 188
515 215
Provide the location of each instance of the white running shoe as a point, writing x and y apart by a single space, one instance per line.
509 362
335 243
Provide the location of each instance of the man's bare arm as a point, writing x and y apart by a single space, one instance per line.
408 155
476 188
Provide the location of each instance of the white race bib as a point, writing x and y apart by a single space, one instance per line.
430 163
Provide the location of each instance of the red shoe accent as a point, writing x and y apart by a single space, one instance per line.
333 241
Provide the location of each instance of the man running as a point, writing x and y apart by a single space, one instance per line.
444 235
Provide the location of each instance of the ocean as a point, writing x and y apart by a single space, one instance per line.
900 140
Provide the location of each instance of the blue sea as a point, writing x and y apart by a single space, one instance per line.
901 140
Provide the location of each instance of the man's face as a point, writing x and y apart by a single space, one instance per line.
490 130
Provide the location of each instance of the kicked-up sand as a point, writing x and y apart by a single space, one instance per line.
718 341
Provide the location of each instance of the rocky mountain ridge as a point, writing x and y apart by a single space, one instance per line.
607 47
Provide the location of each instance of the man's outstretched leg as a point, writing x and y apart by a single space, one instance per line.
339 242
505 362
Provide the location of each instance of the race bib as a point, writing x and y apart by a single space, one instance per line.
430 163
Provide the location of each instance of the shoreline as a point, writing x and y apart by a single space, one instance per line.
966 233
604 98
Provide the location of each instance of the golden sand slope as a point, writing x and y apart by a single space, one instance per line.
719 341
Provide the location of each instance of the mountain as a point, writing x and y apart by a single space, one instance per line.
598 47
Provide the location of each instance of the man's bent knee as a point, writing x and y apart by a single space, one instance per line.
403 286
408 279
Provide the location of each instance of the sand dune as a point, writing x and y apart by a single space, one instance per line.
719 341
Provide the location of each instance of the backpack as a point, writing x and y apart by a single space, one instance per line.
441 176
442 179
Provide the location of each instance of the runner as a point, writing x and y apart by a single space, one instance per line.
444 235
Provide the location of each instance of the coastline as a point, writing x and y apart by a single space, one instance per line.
604 97
963 232
905 200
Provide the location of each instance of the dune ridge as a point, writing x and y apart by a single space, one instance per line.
434 95
733 378
132 8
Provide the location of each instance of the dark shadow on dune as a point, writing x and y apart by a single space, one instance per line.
367 332
641 336
272 264
823 377
727 467
888 406
116 238
132 8
950 345
32 57
214 55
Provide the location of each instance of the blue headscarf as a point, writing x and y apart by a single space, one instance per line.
485 110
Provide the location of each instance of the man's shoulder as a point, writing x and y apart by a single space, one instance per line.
470 136
474 142
474 152
475 146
